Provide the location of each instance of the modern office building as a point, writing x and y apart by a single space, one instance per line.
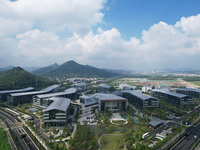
26 97
4 94
124 87
80 86
174 98
141 99
57 113
44 101
104 88
195 93
106 102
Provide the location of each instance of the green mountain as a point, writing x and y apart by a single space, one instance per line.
73 69
44 69
19 78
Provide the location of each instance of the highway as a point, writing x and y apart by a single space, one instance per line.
188 140
25 142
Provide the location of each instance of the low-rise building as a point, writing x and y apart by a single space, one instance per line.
4 94
141 99
106 102
104 88
27 97
44 101
80 86
195 93
171 97
124 87
148 88
57 113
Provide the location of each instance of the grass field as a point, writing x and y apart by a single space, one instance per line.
196 83
112 142
3 140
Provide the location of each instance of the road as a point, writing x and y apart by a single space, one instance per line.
187 141
25 142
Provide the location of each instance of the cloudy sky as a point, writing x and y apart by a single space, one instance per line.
117 34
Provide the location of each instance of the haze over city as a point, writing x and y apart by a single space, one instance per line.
111 34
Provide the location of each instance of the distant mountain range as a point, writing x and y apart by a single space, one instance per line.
73 69
19 78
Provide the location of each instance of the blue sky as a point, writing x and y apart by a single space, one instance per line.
129 34
131 17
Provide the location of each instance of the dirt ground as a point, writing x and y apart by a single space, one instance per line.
143 81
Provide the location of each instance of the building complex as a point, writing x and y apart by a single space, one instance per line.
26 97
174 98
44 101
124 87
141 99
106 102
4 94
57 113
195 93
104 88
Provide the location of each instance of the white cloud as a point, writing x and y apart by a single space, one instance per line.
50 15
161 46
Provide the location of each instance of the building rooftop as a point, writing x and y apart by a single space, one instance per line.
48 89
189 89
68 91
102 96
139 94
18 90
104 86
121 86
78 84
59 103
169 93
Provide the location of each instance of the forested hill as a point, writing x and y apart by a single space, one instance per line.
19 78
73 69
44 69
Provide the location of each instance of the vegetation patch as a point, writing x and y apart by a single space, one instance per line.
3 140
112 142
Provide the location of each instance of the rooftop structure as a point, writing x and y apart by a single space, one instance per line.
141 99
124 87
4 94
194 92
174 98
105 102
56 114
80 86
104 88
43 100
26 97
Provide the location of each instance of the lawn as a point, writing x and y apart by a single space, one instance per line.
111 142
3 140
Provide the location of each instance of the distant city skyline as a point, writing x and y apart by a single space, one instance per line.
114 34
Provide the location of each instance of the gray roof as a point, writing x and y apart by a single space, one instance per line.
139 94
102 96
18 90
59 103
189 89
48 89
121 86
78 84
155 122
67 92
170 93
71 90
104 86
